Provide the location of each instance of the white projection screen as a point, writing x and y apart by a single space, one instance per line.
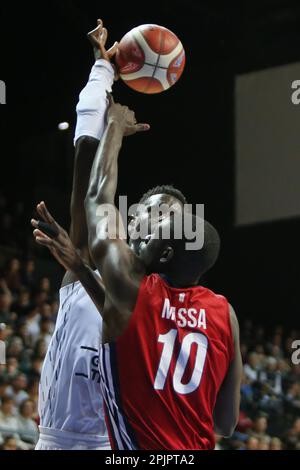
267 146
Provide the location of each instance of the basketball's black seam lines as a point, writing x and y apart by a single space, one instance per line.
156 65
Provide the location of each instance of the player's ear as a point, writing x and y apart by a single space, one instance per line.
166 255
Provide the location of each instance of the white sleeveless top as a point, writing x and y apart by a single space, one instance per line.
70 397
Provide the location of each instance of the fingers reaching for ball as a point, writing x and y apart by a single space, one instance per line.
124 117
98 38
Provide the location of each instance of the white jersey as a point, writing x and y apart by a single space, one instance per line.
70 396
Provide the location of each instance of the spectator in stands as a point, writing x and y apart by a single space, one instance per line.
264 443
45 285
46 330
46 311
54 308
251 368
3 387
17 390
33 391
22 305
252 443
9 424
9 443
6 300
27 427
13 275
40 349
293 397
260 426
28 275
275 444
23 334
37 364
8 420
293 434
12 369
40 297
33 323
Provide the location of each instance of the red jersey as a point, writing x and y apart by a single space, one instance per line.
161 377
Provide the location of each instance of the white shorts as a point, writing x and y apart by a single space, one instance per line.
54 439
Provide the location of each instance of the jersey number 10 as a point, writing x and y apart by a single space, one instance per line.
168 340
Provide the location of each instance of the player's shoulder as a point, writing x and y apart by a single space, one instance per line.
151 281
70 280
211 294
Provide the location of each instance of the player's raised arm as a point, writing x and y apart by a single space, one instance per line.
226 412
91 110
120 268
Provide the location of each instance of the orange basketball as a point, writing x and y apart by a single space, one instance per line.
150 58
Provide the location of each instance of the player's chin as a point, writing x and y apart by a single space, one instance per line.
148 261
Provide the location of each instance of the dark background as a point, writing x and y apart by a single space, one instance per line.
45 61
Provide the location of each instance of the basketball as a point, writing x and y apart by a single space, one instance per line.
150 58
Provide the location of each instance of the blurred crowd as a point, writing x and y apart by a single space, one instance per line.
28 312
270 392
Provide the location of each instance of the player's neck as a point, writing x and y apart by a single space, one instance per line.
177 283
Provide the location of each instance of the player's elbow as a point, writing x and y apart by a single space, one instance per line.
226 430
98 248
226 423
85 143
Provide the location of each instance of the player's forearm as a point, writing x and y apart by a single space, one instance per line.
104 174
103 180
92 284
84 156
226 415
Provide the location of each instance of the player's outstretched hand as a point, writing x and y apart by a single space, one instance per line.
49 233
98 38
124 117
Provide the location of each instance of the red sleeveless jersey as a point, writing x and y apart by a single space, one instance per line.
160 379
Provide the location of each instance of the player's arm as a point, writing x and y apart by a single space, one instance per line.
91 110
49 233
226 412
120 268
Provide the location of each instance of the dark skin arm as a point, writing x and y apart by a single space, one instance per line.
84 155
226 412
120 268
50 234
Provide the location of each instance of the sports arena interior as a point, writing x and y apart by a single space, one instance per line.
227 135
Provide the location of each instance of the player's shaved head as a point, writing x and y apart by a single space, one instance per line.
183 259
189 265
194 263
167 189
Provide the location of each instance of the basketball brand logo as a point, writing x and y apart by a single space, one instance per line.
130 67
178 61
2 353
173 77
2 92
